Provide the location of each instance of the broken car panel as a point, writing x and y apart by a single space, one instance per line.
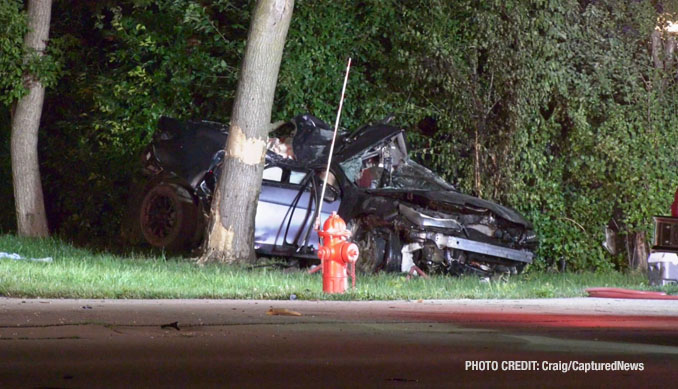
401 214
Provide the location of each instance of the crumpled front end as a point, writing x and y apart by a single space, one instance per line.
475 243
406 217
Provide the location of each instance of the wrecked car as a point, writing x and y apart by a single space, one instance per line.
400 213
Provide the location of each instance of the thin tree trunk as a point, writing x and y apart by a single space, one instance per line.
657 46
230 233
28 197
669 49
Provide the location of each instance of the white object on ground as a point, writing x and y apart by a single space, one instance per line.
17 257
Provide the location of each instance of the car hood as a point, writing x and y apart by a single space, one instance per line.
438 200
313 137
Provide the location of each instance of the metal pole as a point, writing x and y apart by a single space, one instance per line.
334 138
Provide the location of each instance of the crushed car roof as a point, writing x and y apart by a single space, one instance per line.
365 138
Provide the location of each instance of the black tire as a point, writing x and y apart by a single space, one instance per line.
371 245
169 217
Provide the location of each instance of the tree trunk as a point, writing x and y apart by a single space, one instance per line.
657 46
669 49
230 232
28 198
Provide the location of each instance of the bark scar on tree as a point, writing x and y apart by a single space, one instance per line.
220 236
250 151
224 236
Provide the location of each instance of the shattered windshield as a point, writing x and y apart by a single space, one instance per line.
411 175
386 168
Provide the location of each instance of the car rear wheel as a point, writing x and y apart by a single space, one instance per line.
168 217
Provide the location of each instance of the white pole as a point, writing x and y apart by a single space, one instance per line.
334 138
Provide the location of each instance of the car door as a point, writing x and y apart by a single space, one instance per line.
285 210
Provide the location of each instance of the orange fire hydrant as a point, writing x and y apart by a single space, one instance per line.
336 253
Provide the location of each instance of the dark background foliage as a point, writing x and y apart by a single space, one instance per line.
552 107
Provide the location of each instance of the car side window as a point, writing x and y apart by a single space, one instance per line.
273 173
296 177
283 175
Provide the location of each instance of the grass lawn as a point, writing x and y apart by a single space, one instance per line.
79 273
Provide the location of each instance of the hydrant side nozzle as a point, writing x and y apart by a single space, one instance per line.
350 252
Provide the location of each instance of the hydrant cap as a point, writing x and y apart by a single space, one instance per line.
334 224
350 252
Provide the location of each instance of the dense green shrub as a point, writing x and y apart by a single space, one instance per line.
13 22
128 64
552 107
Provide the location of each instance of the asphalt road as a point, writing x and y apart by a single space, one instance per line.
239 344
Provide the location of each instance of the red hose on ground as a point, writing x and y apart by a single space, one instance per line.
618 293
